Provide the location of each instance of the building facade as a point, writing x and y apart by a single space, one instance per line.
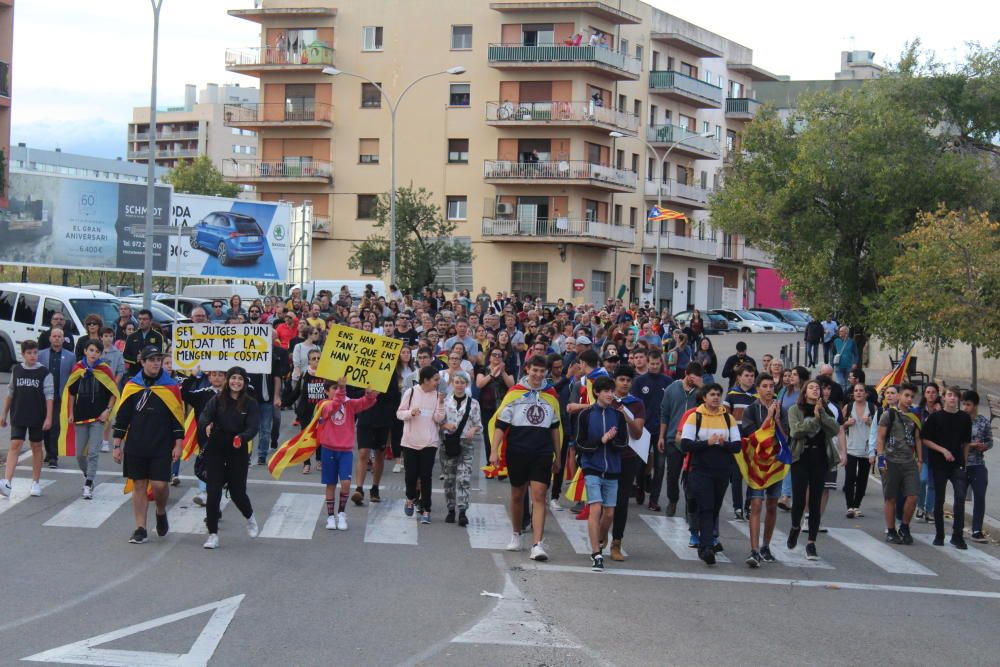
23 158
196 128
6 57
541 150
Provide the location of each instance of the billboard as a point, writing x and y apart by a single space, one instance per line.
69 223
229 238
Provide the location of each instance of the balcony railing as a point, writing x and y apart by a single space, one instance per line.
688 244
279 57
567 170
674 191
534 113
278 112
689 86
277 169
177 153
557 54
176 135
321 224
558 227
684 138
741 107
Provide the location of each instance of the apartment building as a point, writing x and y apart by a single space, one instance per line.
6 56
198 127
541 150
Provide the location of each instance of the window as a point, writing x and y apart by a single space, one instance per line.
368 151
599 281
27 309
637 108
668 117
458 208
705 127
366 206
623 46
635 162
618 214
619 159
300 101
7 300
461 36
371 38
704 180
371 96
687 69
459 94
718 133
538 34
633 216
653 109
369 269
622 103
530 279
650 169
458 151
638 55
688 123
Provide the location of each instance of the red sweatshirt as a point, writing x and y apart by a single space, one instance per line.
336 421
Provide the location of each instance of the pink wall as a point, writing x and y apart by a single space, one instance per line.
770 292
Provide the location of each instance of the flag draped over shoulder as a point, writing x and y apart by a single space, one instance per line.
764 458
299 448
190 445
897 375
587 388
547 394
67 435
165 388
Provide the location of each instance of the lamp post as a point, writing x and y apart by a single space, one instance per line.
659 199
393 107
147 260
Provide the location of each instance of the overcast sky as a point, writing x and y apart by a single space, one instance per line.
80 67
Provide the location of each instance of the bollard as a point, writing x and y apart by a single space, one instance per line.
798 351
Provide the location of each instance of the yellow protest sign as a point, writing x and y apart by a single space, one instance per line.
365 359
219 347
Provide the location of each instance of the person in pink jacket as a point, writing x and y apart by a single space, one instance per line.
422 411
335 432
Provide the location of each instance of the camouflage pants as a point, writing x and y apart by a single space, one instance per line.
457 474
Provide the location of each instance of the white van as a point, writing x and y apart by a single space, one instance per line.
356 287
246 292
26 310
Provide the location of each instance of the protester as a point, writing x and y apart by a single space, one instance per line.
91 393
421 409
948 434
462 423
760 415
28 409
976 475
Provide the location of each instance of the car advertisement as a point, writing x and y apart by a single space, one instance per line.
229 238
70 223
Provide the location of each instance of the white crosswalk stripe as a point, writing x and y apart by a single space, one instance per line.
790 558
80 513
186 517
977 559
387 524
878 552
575 531
19 492
489 526
293 516
673 530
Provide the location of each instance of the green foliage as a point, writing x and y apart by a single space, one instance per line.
423 240
200 177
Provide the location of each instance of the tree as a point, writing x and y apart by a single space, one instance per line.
945 282
829 190
200 177
423 240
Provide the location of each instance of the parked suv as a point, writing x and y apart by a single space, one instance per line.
744 321
229 236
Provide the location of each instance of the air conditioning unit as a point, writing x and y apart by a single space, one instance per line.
504 208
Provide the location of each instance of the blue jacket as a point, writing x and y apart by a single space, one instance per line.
598 458
848 352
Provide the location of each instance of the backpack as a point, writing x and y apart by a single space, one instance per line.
697 423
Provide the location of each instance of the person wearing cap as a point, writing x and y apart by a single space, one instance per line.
141 338
148 437
226 425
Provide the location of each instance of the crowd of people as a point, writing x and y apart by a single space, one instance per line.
607 402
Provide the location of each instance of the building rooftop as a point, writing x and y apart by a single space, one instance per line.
26 158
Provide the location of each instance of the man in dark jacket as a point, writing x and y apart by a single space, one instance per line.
144 336
738 359
649 388
813 337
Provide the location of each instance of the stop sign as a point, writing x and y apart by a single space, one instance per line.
578 285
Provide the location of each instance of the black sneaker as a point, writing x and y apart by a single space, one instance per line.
53 463
766 555
753 560
892 537
738 514
373 495
261 460
139 536
978 536
793 537
597 562
162 525
904 534
811 551
450 517
717 546
463 520
707 554
938 541
959 542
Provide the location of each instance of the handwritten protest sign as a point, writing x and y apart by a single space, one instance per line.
219 347
364 358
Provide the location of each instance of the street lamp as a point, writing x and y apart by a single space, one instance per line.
393 107
147 259
659 198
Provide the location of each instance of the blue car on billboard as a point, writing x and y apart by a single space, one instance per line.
231 237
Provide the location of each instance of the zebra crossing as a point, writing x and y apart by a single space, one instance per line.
298 515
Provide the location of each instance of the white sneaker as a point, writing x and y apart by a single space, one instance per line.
105 446
88 492
555 506
4 488
253 530
36 489
341 521
538 553
398 468
331 522
516 542
212 542
199 499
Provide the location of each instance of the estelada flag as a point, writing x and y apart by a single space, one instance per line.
576 492
897 375
164 387
656 214
190 436
299 448
764 458
67 434
546 393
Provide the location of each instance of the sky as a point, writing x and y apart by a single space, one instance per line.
79 97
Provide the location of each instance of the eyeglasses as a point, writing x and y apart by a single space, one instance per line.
454 358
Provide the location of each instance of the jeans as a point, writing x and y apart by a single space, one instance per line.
957 477
812 353
264 432
926 497
809 475
786 485
630 466
457 475
708 491
88 447
856 480
226 466
977 478
419 466
842 377
827 351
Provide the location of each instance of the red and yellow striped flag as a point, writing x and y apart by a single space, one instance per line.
299 448
897 375
67 434
190 445
760 459
576 492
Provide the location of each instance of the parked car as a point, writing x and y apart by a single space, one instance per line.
230 236
779 326
714 324
744 321
163 315
797 321
185 304
26 310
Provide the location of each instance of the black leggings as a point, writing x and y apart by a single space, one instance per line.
942 475
419 465
808 474
856 480
629 468
396 439
226 465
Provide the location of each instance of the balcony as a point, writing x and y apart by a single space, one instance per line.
561 230
563 172
278 114
174 154
290 170
589 58
4 79
687 246
321 226
686 89
678 193
180 135
602 10
741 108
565 114
732 250
261 14
684 142
256 60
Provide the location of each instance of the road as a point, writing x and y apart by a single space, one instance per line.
389 592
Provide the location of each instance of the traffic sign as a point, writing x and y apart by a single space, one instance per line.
578 284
